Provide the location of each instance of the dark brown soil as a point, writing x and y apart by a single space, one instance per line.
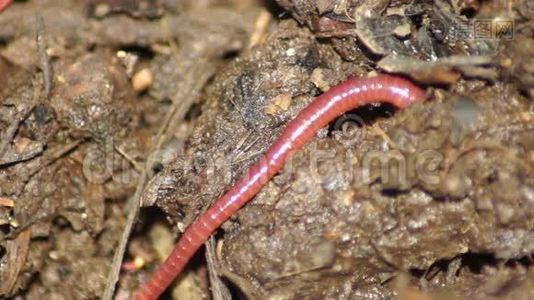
103 97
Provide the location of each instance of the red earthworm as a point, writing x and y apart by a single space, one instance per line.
4 4
323 110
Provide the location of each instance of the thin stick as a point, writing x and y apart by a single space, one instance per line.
43 56
219 291
133 208
199 70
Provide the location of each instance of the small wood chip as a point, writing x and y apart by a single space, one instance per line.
6 202
280 103
261 27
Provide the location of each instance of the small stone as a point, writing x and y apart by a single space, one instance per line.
291 52
142 80
102 10
403 30
22 144
457 185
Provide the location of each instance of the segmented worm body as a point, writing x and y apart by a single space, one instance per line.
324 109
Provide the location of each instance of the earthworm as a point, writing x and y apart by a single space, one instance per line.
4 4
324 109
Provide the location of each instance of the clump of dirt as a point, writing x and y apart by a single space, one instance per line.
76 132
435 201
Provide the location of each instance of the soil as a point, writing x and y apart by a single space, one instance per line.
105 103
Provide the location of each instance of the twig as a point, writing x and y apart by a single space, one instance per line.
10 133
43 56
199 73
17 254
198 61
249 289
55 155
219 291
46 162
130 159
27 155
12 129
47 79
133 210
134 204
